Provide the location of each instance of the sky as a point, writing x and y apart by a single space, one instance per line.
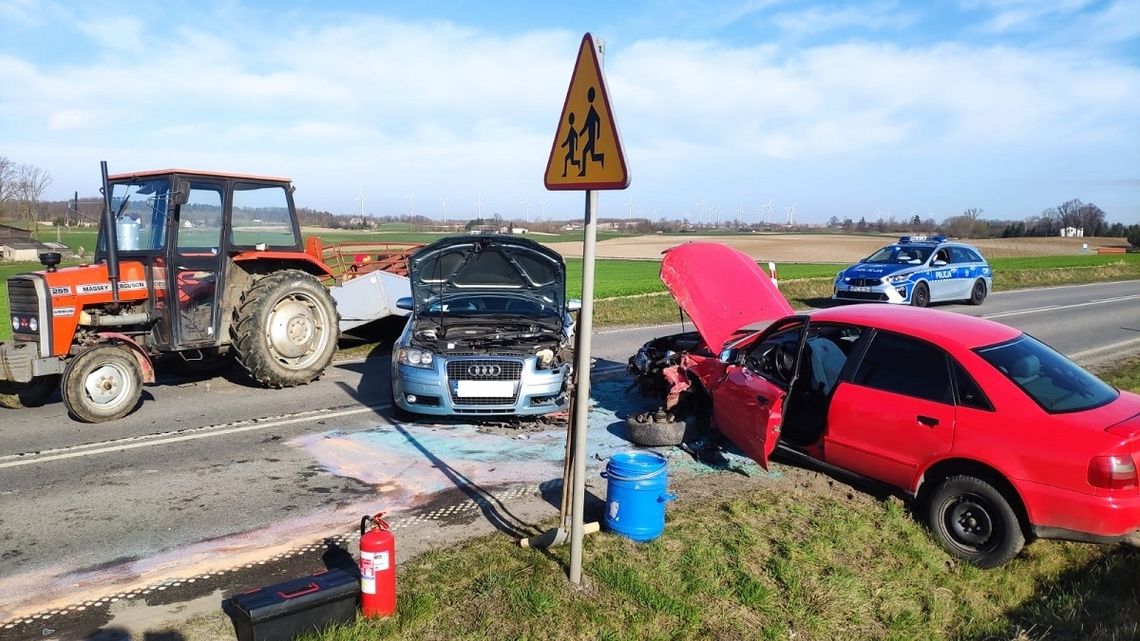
736 108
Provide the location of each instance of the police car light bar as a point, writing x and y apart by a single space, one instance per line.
919 239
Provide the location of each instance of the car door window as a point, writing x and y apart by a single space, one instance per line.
969 393
960 255
904 365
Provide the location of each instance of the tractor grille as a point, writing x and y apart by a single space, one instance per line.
483 369
24 305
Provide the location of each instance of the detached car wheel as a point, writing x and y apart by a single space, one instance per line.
920 297
978 294
974 521
656 430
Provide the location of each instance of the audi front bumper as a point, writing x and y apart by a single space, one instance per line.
479 392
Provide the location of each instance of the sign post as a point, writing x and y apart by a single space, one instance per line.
586 138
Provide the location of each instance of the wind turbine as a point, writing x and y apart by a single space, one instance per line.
767 214
478 205
542 203
701 211
629 203
526 203
791 211
740 214
411 204
361 199
443 201
654 212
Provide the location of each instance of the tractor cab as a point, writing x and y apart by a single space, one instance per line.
186 229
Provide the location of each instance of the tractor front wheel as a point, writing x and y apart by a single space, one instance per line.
103 383
285 329
34 393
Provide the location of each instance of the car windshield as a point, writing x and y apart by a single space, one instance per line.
1051 380
900 254
492 304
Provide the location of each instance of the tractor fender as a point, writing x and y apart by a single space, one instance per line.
145 364
299 260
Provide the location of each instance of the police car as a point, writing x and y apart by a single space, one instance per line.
918 270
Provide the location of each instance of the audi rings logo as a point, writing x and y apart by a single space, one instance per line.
484 370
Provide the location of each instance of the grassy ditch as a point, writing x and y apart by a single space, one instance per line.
798 557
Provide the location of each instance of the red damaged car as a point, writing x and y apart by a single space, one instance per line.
999 438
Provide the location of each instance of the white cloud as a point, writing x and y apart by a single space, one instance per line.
817 20
116 33
70 119
442 108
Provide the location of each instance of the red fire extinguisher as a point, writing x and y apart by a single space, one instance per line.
377 568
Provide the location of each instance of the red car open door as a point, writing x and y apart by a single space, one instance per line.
748 410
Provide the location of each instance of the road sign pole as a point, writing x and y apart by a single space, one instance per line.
582 392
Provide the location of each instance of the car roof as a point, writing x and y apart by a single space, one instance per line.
934 325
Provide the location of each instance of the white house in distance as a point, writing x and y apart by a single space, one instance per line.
1072 232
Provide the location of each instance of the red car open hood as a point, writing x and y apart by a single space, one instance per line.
721 289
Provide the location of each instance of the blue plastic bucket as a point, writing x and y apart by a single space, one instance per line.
636 494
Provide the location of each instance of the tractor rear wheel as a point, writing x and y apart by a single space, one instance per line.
285 329
102 383
34 393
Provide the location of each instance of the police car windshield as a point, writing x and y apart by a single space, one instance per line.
900 254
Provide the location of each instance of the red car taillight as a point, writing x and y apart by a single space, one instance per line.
1113 472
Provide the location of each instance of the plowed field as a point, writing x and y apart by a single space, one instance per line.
822 248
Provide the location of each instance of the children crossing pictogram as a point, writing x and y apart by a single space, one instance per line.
587 134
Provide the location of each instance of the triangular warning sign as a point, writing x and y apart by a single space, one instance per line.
586 153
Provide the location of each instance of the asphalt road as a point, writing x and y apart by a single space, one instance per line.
210 472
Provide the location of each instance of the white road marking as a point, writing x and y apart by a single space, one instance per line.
1114 349
1049 308
166 438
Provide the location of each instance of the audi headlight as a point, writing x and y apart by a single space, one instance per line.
900 278
416 357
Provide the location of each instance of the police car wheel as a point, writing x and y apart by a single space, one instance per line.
921 295
978 294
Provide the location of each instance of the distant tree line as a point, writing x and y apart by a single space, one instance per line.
21 186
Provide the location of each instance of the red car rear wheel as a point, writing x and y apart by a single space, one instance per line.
974 521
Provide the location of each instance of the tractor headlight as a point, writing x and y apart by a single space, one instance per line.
15 324
34 324
416 358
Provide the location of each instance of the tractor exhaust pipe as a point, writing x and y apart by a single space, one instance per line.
113 320
112 257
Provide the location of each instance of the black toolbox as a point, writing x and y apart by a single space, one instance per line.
287 610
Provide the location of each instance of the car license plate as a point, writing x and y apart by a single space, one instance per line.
861 288
485 389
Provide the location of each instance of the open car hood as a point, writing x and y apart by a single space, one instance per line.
487 263
721 289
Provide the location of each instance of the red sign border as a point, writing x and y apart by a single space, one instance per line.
588 40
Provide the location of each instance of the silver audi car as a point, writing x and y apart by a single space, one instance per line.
490 330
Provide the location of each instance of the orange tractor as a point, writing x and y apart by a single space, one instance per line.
189 265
